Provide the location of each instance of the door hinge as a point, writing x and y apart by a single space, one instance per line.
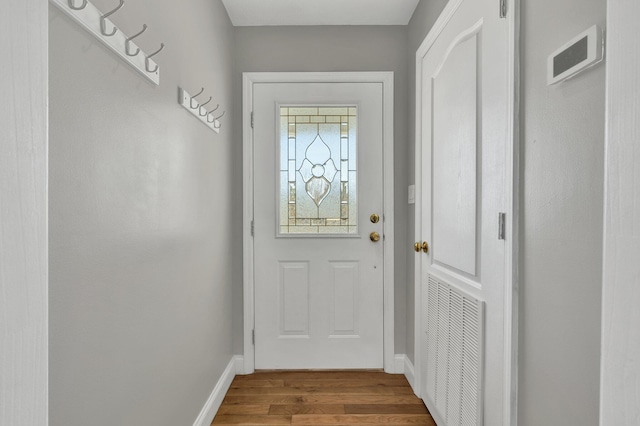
252 119
503 9
253 228
253 337
501 225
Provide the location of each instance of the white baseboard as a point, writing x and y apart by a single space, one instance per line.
239 360
403 365
219 391
398 364
409 373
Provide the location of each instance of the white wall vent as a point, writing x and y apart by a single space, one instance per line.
453 324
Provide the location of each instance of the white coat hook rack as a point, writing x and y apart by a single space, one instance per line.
98 24
198 110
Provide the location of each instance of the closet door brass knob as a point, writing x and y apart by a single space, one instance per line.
425 247
417 247
374 236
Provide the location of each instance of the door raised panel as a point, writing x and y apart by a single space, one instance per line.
294 299
455 171
345 304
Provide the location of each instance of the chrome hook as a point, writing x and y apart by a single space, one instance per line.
146 60
209 115
216 123
193 97
201 105
128 42
220 116
103 26
82 6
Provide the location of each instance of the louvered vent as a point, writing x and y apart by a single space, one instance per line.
453 345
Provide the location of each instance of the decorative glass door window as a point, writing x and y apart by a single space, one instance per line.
318 170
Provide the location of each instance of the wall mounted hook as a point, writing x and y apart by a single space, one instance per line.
146 60
103 25
82 6
193 97
128 42
216 121
210 115
202 105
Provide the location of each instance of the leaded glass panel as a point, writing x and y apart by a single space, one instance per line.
318 170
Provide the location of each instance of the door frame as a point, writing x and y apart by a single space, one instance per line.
512 160
247 365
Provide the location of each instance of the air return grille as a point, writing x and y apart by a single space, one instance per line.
453 345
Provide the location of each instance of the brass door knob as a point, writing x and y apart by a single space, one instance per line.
374 218
417 247
374 236
425 247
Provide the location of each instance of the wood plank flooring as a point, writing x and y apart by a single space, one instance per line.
362 397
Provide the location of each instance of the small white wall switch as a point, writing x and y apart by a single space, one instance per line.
412 194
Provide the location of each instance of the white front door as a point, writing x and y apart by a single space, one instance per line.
465 142
317 188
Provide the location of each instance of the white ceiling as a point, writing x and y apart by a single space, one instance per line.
319 12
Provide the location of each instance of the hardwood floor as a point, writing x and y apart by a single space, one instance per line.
322 398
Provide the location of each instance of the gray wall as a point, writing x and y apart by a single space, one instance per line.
140 202
562 143
421 22
340 48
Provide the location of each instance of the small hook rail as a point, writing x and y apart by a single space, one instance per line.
97 23
196 109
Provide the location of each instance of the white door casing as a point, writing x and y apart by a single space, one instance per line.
259 260
466 168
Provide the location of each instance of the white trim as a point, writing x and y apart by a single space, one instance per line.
398 366
620 339
247 225
249 79
24 259
410 372
511 203
239 364
404 366
212 405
